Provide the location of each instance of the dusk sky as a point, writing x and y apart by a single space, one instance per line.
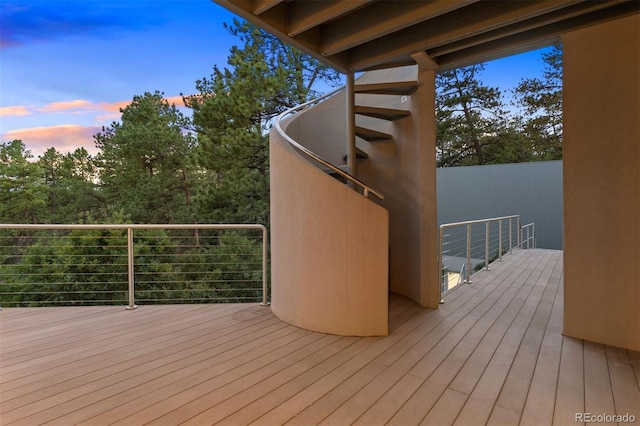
66 67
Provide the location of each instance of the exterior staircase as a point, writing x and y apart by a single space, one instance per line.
330 242
369 134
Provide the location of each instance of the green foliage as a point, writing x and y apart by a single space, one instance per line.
89 266
469 117
157 166
146 162
23 197
232 114
76 267
542 103
474 127
72 192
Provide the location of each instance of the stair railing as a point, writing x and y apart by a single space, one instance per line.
350 178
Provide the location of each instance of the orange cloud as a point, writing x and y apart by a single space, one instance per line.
110 110
18 110
177 100
67 105
67 137
64 138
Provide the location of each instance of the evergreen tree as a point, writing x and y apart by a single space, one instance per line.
70 179
145 162
542 103
469 117
23 197
232 114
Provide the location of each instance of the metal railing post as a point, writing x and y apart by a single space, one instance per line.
510 238
440 262
500 240
130 272
468 280
486 245
534 235
519 233
265 301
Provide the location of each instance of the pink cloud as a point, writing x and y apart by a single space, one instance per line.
109 110
17 110
64 138
177 100
67 105
67 137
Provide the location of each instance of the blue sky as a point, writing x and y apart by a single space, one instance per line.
66 67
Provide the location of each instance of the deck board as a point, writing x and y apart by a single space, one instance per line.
492 354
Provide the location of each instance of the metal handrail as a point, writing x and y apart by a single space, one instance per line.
519 243
350 178
531 235
131 227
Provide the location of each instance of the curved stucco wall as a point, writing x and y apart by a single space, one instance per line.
329 249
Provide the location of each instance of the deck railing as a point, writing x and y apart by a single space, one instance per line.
52 265
472 245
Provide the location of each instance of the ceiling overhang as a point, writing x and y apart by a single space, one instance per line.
358 35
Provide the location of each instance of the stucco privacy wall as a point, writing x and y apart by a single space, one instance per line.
602 183
329 249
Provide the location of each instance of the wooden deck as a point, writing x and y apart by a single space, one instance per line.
493 354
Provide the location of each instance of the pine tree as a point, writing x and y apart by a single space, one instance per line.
469 117
145 162
541 99
232 114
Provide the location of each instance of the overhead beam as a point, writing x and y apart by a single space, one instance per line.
521 27
274 22
535 38
306 15
380 19
424 61
476 19
363 34
261 6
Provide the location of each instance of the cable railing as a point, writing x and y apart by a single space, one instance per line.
57 265
315 157
472 245
530 240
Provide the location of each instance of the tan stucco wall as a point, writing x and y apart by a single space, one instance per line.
602 183
329 249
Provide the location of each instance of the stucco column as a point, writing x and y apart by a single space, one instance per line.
427 193
601 163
